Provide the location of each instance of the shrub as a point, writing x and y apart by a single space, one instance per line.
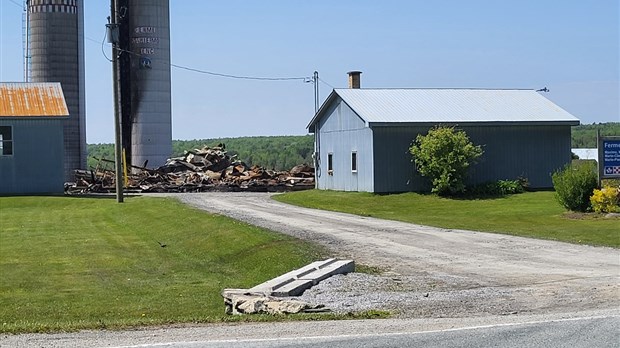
507 187
498 188
574 186
444 155
606 200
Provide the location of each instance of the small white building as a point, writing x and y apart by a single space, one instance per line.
362 136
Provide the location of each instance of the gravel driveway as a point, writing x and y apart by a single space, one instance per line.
431 272
434 279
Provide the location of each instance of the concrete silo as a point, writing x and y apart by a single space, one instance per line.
55 38
145 81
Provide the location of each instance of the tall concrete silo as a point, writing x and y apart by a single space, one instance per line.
56 54
147 76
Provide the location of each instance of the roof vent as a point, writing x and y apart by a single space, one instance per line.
354 79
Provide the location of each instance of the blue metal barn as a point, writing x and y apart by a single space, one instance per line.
362 136
31 138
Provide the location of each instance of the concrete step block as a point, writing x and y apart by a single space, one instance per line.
294 283
338 267
290 276
294 288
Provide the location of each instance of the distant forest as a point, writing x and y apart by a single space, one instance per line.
285 152
584 136
273 152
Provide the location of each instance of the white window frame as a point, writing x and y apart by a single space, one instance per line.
4 142
354 161
330 163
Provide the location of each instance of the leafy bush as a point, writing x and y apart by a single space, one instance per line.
606 200
507 187
444 155
574 186
498 188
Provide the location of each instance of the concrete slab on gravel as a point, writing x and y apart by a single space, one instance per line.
294 283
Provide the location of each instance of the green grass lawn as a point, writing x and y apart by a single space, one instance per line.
78 263
531 214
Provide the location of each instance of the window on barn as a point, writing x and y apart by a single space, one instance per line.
6 141
330 163
354 161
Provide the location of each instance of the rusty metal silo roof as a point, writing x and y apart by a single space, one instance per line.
21 99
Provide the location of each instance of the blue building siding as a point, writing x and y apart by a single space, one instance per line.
340 134
532 152
394 171
519 147
37 163
529 151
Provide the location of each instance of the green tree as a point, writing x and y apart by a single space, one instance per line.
584 136
444 155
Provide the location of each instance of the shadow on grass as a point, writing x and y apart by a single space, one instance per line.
483 196
111 195
460 197
469 196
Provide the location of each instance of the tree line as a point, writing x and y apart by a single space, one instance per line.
285 152
271 152
584 136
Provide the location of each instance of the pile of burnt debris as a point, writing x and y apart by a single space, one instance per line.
199 170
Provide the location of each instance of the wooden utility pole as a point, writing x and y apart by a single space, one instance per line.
113 34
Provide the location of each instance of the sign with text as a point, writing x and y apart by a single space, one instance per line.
145 42
609 157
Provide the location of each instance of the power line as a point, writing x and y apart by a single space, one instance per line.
93 40
105 35
240 76
212 73
325 82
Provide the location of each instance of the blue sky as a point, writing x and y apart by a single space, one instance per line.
568 46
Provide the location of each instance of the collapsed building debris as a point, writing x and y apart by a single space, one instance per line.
278 295
199 170
244 302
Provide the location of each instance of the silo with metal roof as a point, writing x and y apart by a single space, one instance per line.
55 48
149 82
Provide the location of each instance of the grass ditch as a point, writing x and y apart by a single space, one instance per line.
69 263
530 214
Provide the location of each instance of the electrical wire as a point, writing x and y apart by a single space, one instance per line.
304 79
212 73
240 76
93 40
327 83
105 35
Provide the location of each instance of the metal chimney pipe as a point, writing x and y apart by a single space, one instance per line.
354 79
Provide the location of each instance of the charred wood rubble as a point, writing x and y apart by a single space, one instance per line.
199 170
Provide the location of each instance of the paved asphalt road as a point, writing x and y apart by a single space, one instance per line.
574 333
594 329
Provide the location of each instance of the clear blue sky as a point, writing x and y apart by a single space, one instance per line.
568 46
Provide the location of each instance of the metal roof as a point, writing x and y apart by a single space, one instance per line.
21 99
586 154
450 106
